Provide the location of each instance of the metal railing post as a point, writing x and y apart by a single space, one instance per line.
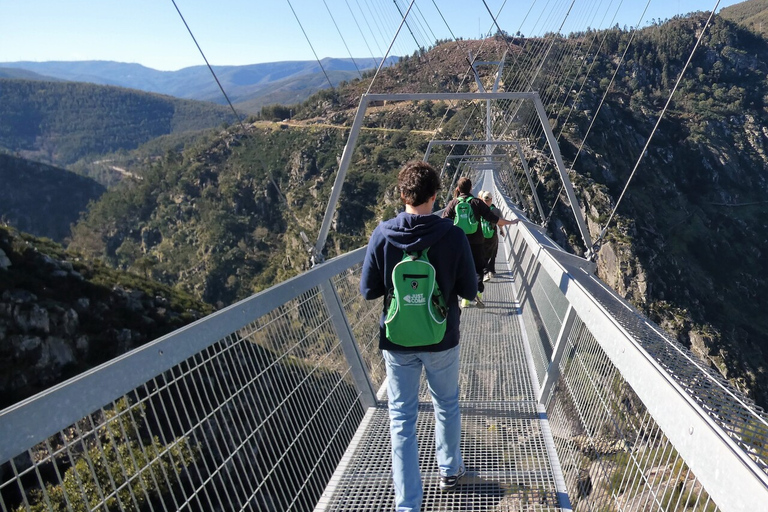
553 370
349 345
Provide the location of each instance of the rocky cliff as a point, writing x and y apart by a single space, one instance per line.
61 314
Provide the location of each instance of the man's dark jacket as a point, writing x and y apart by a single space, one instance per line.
449 253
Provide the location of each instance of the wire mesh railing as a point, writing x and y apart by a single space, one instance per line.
248 409
638 422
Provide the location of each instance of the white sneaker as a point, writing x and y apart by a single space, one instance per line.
487 277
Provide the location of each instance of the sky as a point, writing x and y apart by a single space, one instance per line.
238 32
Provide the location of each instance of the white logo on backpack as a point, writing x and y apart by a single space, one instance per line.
415 299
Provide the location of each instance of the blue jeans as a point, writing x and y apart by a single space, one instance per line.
403 376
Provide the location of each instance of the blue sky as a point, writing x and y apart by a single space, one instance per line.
235 32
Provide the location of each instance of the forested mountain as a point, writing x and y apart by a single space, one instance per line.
61 122
43 200
250 86
687 245
752 14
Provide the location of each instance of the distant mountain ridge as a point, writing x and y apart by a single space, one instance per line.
243 84
62 122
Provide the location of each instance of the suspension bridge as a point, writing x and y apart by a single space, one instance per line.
571 398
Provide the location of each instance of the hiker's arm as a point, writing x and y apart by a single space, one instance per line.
448 211
372 284
492 217
466 279
505 222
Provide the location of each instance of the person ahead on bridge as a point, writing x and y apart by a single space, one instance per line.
476 240
415 230
491 234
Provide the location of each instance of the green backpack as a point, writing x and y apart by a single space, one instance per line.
488 228
416 308
465 216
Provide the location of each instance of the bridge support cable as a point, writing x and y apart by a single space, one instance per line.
359 73
309 43
359 29
546 100
658 122
394 38
586 76
600 105
221 88
365 18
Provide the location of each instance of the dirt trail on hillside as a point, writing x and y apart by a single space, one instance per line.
295 124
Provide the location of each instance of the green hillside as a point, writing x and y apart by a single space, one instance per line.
62 122
752 14
41 199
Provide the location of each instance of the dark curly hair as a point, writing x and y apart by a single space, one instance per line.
418 182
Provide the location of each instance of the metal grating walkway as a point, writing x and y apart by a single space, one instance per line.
505 436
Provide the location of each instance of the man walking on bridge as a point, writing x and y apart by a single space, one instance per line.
413 232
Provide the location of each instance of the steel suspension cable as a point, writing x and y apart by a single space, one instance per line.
521 72
567 48
575 101
365 40
461 83
221 88
416 24
610 84
365 18
658 121
591 67
567 92
521 75
390 48
309 42
408 25
342 38
420 46
564 70
418 10
385 16
240 121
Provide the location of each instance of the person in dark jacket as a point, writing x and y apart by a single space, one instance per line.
414 230
476 239
491 242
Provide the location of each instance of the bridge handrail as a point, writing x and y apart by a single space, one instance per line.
718 432
33 420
